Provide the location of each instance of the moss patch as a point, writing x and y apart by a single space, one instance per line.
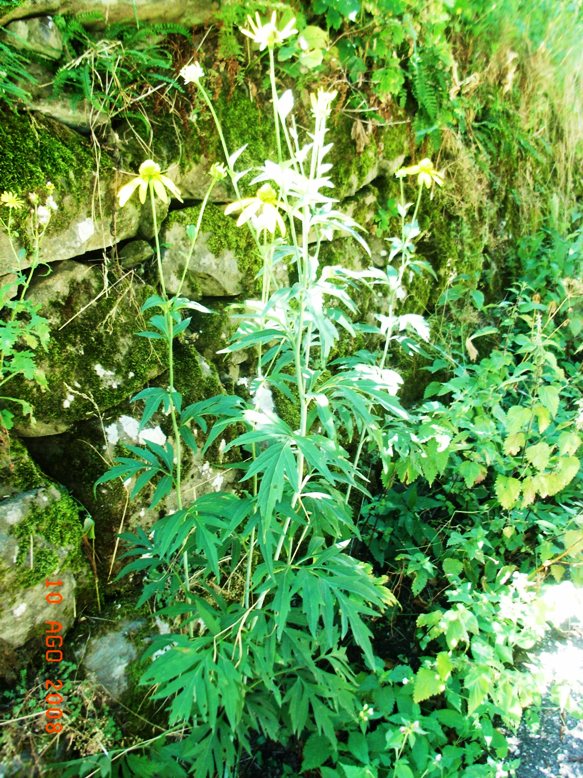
49 530
34 150
18 472
96 361
222 237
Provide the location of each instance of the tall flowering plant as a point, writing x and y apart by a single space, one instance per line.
258 586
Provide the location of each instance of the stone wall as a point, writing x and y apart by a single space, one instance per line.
97 269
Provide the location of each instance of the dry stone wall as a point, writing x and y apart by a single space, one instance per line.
97 269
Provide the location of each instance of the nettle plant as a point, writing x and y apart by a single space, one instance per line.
22 328
261 595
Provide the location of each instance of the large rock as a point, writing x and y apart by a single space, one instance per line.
94 360
39 34
40 538
40 150
99 13
223 262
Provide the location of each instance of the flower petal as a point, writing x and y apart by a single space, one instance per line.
127 191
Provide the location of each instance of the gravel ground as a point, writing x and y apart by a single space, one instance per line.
555 748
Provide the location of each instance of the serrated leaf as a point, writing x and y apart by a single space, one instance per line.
470 472
568 443
573 542
543 417
427 684
518 418
538 455
444 665
452 566
507 491
358 746
528 491
316 751
549 397
514 443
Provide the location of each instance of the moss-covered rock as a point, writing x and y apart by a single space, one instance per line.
223 262
94 359
40 539
36 150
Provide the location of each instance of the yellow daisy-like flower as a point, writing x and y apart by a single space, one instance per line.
262 210
426 173
12 201
266 35
149 177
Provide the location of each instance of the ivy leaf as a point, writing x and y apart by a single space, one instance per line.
427 684
507 491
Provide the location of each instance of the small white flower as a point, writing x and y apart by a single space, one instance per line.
193 73
263 399
50 203
321 103
43 214
366 713
266 35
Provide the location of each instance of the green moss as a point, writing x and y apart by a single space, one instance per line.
56 526
100 339
18 472
194 377
244 121
34 150
223 236
352 170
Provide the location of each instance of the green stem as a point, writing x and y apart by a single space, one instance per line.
275 101
169 321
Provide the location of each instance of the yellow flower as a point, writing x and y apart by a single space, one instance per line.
262 210
266 35
149 177
426 173
12 201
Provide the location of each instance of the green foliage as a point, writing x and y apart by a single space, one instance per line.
23 330
14 76
91 726
114 72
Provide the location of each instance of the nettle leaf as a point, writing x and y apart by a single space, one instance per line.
529 491
471 472
568 443
518 419
514 443
428 683
358 747
507 491
538 455
353 771
549 397
543 417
